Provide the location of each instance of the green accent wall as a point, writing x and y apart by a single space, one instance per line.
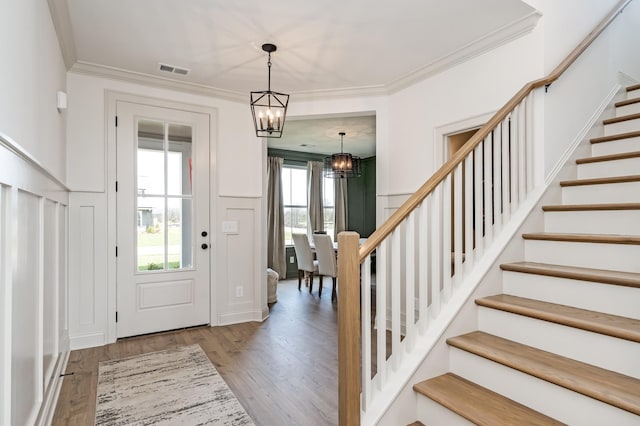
361 193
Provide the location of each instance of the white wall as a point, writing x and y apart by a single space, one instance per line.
606 64
33 215
236 166
32 71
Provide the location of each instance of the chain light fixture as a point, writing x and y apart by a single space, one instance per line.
343 164
269 108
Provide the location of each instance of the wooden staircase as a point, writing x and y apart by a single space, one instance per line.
562 343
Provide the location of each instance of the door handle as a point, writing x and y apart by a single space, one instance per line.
204 246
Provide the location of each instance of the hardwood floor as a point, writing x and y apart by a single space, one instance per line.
283 371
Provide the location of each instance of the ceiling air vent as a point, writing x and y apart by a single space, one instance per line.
174 69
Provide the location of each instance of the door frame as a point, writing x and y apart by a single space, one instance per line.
442 133
111 98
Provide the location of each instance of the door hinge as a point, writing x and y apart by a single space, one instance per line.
116 186
116 121
116 251
116 316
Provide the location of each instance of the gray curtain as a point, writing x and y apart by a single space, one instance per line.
314 194
276 258
340 192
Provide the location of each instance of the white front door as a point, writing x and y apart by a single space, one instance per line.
163 263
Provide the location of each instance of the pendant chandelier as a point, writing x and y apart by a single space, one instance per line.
341 165
269 108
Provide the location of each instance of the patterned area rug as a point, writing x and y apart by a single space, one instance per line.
172 387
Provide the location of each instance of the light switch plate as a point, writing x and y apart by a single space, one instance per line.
230 227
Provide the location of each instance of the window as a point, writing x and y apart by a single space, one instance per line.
294 193
328 202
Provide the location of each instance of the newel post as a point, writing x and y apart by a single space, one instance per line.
348 329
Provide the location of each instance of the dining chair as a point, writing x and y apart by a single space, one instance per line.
305 259
327 262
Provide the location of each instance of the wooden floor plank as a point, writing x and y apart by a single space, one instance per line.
628 279
283 371
596 322
479 405
607 386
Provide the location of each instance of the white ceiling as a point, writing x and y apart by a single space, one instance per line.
323 46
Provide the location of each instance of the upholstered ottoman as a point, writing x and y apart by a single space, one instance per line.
272 285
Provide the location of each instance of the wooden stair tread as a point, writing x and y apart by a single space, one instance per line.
583 238
611 157
616 137
628 279
596 322
601 181
607 386
627 102
416 424
477 404
621 119
632 88
588 207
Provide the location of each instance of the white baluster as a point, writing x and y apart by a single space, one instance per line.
423 285
458 225
529 140
468 213
515 198
436 249
365 273
381 315
506 172
446 238
522 177
497 179
478 192
396 284
410 283
488 191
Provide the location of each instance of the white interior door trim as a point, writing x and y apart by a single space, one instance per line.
440 134
111 98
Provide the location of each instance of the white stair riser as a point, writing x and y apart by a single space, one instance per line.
602 169
628 109
625 192
612 222
633 94
431 413
617 257
616 147
606 298
603 351
622 127
554 401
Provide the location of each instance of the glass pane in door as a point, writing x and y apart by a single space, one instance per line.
150 233
179 160
164 196
180 233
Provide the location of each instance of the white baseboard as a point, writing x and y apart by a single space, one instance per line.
235 318
50 399
90 340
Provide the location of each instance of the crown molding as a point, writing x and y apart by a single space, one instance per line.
476 48
59 11
113 73
347 92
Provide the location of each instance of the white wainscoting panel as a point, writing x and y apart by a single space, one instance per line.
241 270
33 279
88 269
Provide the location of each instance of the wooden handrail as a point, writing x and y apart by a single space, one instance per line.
418 197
